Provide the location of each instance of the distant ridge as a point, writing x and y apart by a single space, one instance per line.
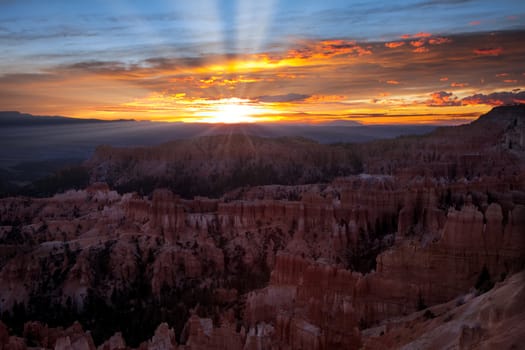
15 118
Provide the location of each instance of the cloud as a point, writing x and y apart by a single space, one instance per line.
229 81
417 35
418 43
442 2
421 49
439 41
23 78
57 32
392 82
495 99
289 76
331 48
282 98
325 98
455 84
327 49
443 99
489 51
443 79
394 44
171 62
98 66
474 23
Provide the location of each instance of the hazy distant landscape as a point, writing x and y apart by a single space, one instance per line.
50 144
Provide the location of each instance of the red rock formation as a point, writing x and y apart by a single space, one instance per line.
200 334
75 338
116 342
308 303
408 274
164 338
489 321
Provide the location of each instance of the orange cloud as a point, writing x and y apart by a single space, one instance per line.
454 84
474 23
181 79
418 43
392 82
510 81
489 51
229 82
439 41
502 75
325 98
289 76
394 44
422 35
421 49
442 99
443 79
328 49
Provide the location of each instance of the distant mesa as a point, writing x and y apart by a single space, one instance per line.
14 118
342 122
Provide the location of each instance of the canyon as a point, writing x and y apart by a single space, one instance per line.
243 242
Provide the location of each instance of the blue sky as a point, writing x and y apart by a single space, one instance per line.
60 30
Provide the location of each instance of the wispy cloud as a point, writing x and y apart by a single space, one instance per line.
489 51
291 97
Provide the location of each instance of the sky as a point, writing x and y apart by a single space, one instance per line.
402 62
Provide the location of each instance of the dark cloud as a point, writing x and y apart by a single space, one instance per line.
444 99
495 99
23 78
50 33
441 2
162 17
282 98
99 67
170 63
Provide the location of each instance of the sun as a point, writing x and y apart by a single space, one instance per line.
231 111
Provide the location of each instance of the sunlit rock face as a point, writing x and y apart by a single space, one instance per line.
310 266
481 322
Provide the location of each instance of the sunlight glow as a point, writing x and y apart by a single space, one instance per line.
230 111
